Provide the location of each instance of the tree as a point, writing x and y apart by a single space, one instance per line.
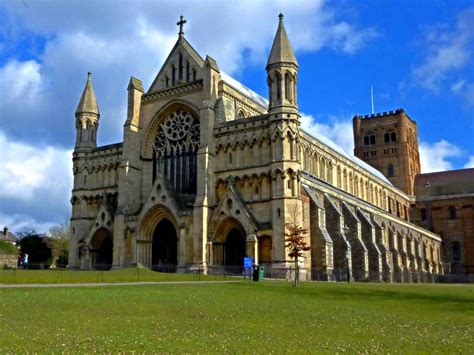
58 242
36 246
296 243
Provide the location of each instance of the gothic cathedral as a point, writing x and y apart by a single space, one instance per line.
209 172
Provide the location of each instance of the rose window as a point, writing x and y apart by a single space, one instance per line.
176 144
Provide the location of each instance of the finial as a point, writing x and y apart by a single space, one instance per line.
89 75
281 16
180 23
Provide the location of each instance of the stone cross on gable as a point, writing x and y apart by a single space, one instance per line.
180 23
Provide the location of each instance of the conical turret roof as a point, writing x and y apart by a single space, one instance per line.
281 49
88 102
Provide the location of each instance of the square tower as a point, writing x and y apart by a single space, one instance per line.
388 141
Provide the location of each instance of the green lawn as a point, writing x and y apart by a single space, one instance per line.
241 317
14 276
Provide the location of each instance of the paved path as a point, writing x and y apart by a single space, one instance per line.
97 284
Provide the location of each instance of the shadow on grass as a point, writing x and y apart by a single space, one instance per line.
460 298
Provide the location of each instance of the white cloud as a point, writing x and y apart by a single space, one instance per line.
20 81
35 184
338 130
435 156
470 163
446 51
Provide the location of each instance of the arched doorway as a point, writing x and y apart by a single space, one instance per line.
164 252
228 247
235 250
101 250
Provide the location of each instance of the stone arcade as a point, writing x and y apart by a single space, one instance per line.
209 172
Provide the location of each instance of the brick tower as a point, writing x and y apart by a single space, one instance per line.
388 141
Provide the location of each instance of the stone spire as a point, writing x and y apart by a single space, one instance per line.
281 50
88 102
282 75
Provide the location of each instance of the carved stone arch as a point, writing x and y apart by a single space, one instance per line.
231 207
103 220
159 117
161 196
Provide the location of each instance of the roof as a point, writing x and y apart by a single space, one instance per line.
8 236
88 102
252 95
281 49
451 182
338 149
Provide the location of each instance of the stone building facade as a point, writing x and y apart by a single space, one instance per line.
445 205
209 172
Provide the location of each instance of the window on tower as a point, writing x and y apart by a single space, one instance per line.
393 137
372 139
390 170
287 87
278 85
455 252
387 137
452 212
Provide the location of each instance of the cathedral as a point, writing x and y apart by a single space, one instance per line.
210 172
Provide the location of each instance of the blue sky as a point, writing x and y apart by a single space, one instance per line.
416 54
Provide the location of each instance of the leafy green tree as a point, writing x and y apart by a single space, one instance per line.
36 246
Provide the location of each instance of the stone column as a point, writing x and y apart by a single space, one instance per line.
252 248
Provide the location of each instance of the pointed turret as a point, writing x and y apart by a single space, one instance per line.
282 74
281 52
88 102
87 117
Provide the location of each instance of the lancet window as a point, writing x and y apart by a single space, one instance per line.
175 151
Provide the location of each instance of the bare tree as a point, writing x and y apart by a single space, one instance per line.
295 242
58 241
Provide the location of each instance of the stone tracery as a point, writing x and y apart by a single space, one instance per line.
175 149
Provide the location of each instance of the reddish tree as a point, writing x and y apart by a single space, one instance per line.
296 244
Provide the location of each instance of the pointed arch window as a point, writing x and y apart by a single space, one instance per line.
175 151
278 85
288 90
194 74
173 75
180 67
167 81
188 74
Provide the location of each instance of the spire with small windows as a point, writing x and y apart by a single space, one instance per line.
282 73
87 117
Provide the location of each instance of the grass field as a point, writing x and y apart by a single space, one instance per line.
242 317
14 276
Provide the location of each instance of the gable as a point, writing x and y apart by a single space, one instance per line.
191 66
